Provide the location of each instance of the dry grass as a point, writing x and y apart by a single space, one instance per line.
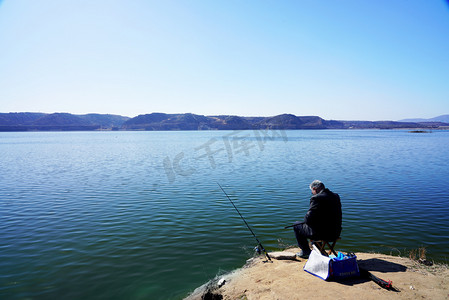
421 264
418 254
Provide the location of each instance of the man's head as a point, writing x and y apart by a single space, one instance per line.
316 186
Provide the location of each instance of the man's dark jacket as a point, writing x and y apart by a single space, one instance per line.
324 215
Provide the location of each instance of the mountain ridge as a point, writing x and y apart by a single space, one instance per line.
30 121
442 118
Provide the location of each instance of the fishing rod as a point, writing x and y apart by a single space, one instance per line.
291 225
258 242
388 285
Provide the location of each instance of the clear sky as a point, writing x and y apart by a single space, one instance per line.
344 60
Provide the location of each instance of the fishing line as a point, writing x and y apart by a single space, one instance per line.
258 242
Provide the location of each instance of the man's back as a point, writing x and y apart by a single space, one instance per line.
324 215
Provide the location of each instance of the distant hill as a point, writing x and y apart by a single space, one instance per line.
160 121
21 118
24 121
61 119
105 121
442 118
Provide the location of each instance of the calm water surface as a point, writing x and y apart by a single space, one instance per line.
139 215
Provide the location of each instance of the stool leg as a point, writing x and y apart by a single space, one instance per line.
332 248
321 246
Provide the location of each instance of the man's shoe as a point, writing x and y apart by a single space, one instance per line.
302 254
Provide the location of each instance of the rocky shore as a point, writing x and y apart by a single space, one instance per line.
285 278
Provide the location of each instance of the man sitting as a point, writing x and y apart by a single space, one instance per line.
323 219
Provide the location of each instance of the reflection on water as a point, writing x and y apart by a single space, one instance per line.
140 215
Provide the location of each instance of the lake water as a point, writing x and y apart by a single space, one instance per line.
139 215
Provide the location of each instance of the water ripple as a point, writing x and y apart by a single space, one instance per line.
94 215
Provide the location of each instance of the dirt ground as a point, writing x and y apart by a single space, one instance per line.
285 279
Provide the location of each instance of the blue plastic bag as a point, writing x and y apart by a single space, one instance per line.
344 266
332 267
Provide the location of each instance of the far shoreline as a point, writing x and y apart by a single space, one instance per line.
410 130
23 121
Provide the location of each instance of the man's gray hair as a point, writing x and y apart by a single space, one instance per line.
318 185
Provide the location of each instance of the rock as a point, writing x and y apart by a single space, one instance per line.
425 262
221 282
283 255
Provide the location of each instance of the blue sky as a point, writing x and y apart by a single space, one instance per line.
344 60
